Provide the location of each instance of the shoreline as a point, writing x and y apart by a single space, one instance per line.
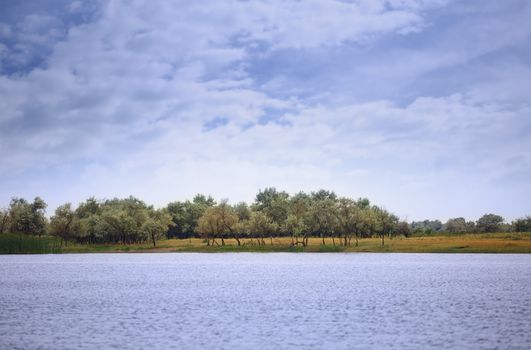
498 243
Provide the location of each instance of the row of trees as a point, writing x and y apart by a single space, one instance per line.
318 214
486 223
111 221
273 213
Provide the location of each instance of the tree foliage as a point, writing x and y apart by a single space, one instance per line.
489 223
273 213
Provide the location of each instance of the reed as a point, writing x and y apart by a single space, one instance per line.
24 244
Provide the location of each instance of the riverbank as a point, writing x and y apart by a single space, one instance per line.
468 243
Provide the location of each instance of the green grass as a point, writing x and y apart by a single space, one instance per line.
23 244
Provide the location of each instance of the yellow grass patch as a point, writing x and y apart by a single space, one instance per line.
470 243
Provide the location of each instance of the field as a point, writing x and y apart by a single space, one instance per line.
469 243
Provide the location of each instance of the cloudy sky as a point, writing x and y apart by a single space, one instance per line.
422 106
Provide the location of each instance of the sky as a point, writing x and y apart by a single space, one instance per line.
424 107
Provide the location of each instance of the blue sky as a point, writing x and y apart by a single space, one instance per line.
424 107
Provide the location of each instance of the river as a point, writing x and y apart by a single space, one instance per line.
265 301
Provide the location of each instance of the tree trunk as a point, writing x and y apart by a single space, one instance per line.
334 241
153 238
237 240
322 237
271 238
222 241
383 240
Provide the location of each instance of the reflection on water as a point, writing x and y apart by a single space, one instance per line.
268 301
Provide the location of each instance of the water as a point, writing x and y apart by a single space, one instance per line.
268 301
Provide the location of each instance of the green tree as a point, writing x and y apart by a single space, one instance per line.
403 229
274 204
297 227
260 224
88 214
296 224
363 203
489 223
185 215
218 221
349 220
522 224
4 220
426 227
27 218
322 217
368 222
62 224
243 211
156 225
386 223
455 225
121 220
38 216
323 195
208 226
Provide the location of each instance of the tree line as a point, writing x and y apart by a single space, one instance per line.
272 214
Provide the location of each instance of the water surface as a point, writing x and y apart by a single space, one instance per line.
268 301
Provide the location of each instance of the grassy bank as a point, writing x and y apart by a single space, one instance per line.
469 243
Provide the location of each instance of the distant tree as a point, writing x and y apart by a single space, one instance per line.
4 220
322 216
470 227
195 209
426 226
38 216
229 219
89 207
27 218
323 195
262 225
90 229
386 223
218 221
185 215
522 224
455 225
88 214
274 204
368 222
243 211
121 220
297 227
349 220
177 211
209 226
296 224
62 224
489 223
363 203
156 225
403 229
